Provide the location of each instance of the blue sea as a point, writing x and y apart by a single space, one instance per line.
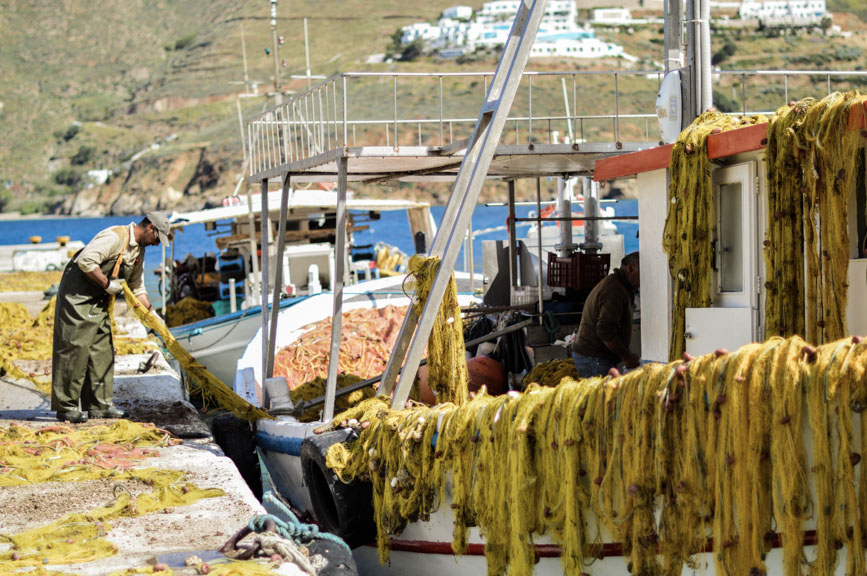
392 228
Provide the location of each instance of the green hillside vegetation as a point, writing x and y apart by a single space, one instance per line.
88 89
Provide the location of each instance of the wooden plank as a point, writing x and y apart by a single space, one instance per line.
632 163
733 142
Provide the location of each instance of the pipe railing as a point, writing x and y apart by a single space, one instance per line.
400 109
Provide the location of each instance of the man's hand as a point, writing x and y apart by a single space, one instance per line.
631 361
114 287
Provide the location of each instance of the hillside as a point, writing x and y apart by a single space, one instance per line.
147 88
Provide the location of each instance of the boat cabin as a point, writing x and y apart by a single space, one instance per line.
736 315
309 230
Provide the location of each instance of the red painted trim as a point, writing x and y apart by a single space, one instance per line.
610 549
858 117
733 142
632 163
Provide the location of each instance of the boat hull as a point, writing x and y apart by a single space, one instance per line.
218 343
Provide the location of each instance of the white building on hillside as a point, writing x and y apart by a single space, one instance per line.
784 11
612 16
458 32
458 12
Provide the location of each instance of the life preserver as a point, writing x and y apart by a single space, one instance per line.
345 510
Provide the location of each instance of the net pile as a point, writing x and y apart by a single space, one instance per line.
366 340
316 389
66 454
551 373
672 459
25 340
814 157
188 310
201 381
29 281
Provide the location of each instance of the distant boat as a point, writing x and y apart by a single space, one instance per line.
308 265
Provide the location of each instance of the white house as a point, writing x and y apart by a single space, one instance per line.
421 30
559 34
612 16
458 12
784 11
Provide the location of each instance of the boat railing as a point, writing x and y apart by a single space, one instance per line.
437 111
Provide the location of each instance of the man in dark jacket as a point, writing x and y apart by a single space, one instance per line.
606 322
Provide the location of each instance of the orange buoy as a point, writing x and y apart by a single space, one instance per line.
488 372
63 240
35 239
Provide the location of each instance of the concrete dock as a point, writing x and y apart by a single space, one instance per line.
167 537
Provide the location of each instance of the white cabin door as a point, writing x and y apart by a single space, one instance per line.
734 319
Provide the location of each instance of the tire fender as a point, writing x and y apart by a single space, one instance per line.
345 510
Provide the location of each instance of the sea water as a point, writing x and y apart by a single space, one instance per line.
392 228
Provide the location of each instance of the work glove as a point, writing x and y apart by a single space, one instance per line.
114 287
156 319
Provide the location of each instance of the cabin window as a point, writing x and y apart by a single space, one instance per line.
731 255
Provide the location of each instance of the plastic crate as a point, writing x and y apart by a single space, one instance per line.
579 271
224 289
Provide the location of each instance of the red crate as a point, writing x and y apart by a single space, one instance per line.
579 271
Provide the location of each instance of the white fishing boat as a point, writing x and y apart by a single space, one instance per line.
308 263
741 461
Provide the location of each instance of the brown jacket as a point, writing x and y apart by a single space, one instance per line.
607 315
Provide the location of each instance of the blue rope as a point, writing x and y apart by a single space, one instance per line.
294 529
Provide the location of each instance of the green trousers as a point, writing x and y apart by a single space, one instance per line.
82 371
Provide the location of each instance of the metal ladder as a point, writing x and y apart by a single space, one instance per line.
462 201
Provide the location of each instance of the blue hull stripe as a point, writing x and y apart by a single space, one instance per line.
281 444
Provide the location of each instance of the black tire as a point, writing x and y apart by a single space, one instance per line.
237 440
340 561
345 510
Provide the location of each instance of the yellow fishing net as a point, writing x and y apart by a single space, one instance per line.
81 453
27 342
447 363
76 454
672 459
389 259
814 148
29 281
202 382
691 218
188 310
316 388
551 373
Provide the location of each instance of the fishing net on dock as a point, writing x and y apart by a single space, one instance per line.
201 381
29 281
82 454
26 343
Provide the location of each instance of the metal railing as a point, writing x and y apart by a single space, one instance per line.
405 109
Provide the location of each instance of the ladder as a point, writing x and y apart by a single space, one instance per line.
414 333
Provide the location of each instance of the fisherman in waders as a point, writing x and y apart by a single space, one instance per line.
83 354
